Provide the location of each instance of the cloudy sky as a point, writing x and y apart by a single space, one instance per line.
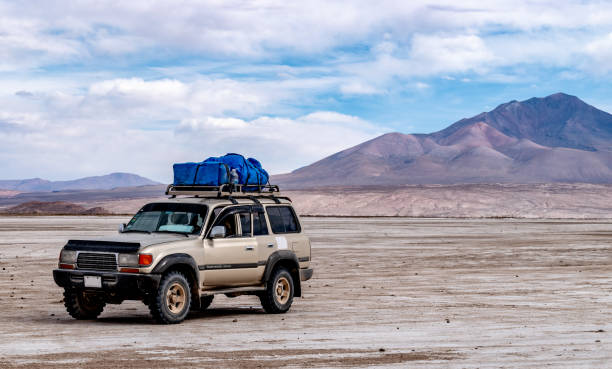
93 87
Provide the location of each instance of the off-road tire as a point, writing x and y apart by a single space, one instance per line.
82 305
205 302
278 296
172 301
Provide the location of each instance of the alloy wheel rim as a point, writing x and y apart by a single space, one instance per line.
282 290
175 298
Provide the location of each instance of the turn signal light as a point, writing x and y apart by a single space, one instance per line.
66 266
145 259
129 270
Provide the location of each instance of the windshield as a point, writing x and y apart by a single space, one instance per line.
168 217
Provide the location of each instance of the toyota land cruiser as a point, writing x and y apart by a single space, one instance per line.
177 254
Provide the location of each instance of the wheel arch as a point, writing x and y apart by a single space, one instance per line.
288 260
185 264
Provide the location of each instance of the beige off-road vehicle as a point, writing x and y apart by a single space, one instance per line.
176 255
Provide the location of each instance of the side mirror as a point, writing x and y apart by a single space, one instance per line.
217 232
121 227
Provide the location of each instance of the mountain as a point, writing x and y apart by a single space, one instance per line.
558 138
105 182
558 120
53 208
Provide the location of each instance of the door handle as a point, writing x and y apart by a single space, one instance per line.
249 248
270 245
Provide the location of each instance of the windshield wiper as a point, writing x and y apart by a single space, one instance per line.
176 232
136 230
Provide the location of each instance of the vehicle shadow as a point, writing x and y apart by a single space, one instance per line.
210 313
226 311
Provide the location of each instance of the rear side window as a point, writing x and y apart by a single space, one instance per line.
259 224
282 219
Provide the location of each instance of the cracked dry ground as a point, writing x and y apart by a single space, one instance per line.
389 292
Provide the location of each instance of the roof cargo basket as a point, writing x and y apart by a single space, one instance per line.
227 190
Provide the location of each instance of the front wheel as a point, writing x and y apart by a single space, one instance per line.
172 301
278 296
83 305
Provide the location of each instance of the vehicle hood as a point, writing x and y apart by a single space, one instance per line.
123 242
142 238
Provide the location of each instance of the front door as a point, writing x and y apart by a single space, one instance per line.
231 259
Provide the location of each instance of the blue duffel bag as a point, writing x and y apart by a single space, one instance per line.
201 174
212 174
250 172
184 173
262 175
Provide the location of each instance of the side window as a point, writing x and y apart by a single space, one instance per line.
259 224
245 224
216 212
282 219
276 220
288 219
229 222
213 216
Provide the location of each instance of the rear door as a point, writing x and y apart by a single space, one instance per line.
287 232
233 259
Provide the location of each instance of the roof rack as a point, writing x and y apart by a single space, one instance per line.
229 191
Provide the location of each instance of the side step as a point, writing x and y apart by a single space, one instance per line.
234 290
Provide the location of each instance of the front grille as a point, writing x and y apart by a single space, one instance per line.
96 261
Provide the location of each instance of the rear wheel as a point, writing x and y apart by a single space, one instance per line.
278 296
83 305
172 301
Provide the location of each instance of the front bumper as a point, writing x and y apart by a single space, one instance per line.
124 283
305 274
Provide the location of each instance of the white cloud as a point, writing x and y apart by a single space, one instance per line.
433 54
141 83
358 88
133 97
283 144
600 51
145 126
243 29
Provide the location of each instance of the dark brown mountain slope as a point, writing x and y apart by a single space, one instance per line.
554 139
53 208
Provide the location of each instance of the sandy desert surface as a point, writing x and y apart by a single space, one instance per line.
387 292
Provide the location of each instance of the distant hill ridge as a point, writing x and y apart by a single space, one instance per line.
53 208
105 182
558 138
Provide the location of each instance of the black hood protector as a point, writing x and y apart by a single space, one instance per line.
102 246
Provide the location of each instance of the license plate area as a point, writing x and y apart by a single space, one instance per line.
92 281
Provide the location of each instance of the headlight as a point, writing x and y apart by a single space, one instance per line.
68 257
129 260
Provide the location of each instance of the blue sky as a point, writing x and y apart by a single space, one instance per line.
93 87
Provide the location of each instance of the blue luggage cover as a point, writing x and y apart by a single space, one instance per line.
184 173
215 171
201 174
250 172
212 174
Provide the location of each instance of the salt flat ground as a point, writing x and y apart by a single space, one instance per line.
387 292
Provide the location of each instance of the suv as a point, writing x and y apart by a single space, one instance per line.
177 254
